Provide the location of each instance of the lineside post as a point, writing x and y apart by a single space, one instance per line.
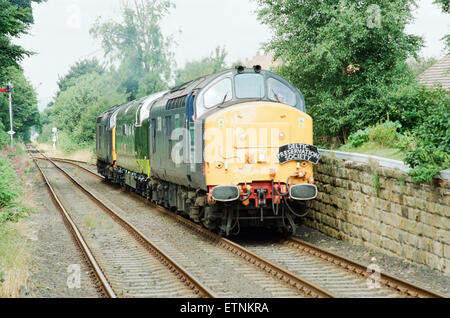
11 132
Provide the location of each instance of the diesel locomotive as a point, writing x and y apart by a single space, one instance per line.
228 150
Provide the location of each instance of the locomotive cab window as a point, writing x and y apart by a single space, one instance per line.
279 92
220 92
249 86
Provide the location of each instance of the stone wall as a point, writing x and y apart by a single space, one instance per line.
383 209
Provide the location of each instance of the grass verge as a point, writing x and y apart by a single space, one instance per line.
81 155
14 259
14 206
374 149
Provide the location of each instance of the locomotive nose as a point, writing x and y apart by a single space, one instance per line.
246 139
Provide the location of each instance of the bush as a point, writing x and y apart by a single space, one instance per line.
46 135
11 187
358 138
384 134
67 143
410 104
405 142
432 162
3 135
431 154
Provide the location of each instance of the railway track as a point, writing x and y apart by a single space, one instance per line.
341 276
71 160
125 263
277 276
323 274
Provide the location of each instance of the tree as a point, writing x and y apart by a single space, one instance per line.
15 19
205 66
79 69
26 113
138 46
76 109
345 56
445 6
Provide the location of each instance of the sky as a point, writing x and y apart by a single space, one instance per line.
61 36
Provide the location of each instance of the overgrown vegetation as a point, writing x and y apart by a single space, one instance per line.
15 20
13 255
140 62
12 170
26 114
383 139
445 6
347 57
351 62
205 66
424 147
431 154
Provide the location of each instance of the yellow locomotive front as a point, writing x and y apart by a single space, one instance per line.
258 154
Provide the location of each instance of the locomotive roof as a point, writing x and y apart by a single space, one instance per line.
188 88
199 83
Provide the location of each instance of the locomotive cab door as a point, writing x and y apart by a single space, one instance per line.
190 140
194 146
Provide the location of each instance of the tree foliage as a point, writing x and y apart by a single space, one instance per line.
445 6
138 46
15 19
25 110
76 109
140 63
431 153
345 56
208 65
77 70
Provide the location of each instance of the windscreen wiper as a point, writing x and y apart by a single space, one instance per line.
223 101
276 96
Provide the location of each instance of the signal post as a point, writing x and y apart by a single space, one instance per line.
9 89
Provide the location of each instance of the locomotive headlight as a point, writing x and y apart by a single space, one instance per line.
219 164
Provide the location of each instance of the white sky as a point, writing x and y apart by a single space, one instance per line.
61 37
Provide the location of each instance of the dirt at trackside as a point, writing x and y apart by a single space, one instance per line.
54 255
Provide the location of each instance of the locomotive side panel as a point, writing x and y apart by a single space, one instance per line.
168 134
125 137
142 152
